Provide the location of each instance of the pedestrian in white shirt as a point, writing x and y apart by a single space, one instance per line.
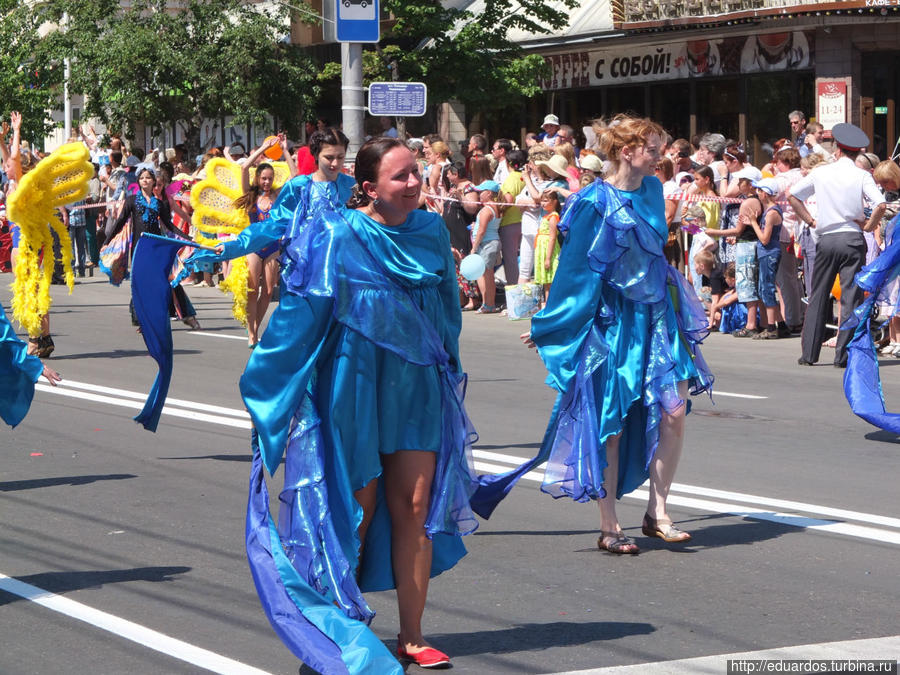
499 150
840 189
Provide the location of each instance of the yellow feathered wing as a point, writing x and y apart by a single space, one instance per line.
57 180
214 213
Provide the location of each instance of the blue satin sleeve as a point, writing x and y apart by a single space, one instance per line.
254 237
18 373
290 196
449 293
560 329
280 368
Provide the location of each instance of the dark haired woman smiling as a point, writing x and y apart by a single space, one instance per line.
356 383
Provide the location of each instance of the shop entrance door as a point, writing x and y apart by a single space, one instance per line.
880 86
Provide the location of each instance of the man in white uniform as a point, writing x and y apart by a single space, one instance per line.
840 189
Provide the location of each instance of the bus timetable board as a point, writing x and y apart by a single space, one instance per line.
402 99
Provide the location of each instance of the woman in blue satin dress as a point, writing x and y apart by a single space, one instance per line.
357 385
619 337
298 201
19 370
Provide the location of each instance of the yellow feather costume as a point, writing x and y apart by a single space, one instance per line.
57 180
214 213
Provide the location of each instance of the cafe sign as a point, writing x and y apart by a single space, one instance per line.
831 102
771 52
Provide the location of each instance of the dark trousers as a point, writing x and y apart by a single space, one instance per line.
836 254
78 235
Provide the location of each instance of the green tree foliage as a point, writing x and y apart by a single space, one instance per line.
164 62
465 54
30 76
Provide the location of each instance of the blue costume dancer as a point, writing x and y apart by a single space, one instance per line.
359 361
18 373
620 332
862 379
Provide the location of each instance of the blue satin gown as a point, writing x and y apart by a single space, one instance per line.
18 373
620 330
361 361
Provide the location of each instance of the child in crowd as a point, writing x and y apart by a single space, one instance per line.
727 313
768 255
486 243
706 265
695 222
546 246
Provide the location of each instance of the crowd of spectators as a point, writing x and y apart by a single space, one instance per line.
732 231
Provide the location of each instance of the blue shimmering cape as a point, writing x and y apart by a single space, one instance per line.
862 378
620 330
18 373
376 321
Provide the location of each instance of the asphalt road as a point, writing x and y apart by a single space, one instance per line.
127 539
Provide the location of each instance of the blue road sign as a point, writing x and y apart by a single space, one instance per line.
403 99
357 21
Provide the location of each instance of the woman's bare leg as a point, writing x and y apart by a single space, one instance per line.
254 270
408 475
267 283
609 522
665 461
365 497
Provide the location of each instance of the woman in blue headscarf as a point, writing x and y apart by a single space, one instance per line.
619 336
357 385
298 201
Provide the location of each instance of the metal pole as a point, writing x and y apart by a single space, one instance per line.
353 108
67 101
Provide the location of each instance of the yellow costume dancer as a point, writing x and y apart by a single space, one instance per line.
57 180
214 213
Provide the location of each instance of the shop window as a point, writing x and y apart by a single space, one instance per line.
770 98
718 104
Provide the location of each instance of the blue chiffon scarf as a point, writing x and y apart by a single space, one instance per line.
862 378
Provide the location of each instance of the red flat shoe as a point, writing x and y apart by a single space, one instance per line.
427 658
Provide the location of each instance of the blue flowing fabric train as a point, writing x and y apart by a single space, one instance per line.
151 293
862 379
620 330
363 361
18 373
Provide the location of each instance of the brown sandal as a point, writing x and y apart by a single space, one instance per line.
621 545
664 530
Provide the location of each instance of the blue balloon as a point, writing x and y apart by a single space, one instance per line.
472 267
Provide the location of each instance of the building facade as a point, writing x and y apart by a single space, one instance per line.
733 67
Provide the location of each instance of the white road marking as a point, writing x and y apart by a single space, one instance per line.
218 335
233 412
137 405
737 504
716 392
129 630
885 648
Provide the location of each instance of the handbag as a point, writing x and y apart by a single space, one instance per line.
114 256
